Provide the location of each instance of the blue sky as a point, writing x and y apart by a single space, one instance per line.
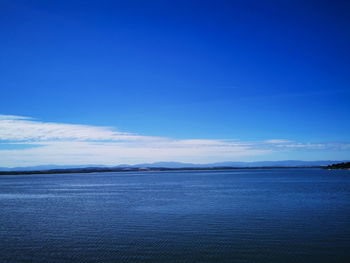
186 73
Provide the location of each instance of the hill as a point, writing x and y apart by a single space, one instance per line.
345 165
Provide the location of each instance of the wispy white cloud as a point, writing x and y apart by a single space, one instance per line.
13 117
17 128
116 153
278 141
59 143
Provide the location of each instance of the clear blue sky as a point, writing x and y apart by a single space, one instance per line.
243 70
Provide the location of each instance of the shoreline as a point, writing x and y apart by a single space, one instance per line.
147 169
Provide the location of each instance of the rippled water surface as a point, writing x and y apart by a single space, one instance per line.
277 215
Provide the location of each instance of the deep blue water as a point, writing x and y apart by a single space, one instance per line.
278 215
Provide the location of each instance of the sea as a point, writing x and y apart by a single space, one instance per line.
243 215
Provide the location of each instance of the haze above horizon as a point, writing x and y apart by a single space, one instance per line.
113 82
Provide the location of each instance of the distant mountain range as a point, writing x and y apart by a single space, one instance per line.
287 163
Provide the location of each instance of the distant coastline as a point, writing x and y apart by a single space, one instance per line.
143 169
345 165
174 166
